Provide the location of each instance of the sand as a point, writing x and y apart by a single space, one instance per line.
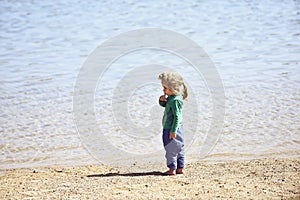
255 179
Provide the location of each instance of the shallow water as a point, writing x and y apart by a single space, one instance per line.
253 44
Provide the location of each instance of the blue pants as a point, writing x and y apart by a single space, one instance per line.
174 149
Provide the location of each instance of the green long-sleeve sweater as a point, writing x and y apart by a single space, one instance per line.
173 112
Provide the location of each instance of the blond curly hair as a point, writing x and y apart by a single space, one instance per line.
174 82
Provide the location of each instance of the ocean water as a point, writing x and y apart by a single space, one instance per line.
254 45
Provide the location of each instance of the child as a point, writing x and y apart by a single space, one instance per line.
173 139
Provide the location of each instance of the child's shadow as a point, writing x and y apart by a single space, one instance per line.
154 173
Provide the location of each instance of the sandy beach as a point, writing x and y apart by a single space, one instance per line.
255 179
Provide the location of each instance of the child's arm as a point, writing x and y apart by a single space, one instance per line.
162 101
176 109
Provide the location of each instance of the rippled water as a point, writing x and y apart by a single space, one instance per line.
255 46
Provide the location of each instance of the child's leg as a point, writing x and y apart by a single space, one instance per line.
171 157
172 148
180 159
180 156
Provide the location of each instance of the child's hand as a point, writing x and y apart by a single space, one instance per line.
172 135
162 98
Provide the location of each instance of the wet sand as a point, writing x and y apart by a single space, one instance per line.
255 179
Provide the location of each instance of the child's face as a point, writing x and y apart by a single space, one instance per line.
167 91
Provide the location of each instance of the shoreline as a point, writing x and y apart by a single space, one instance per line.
263 179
